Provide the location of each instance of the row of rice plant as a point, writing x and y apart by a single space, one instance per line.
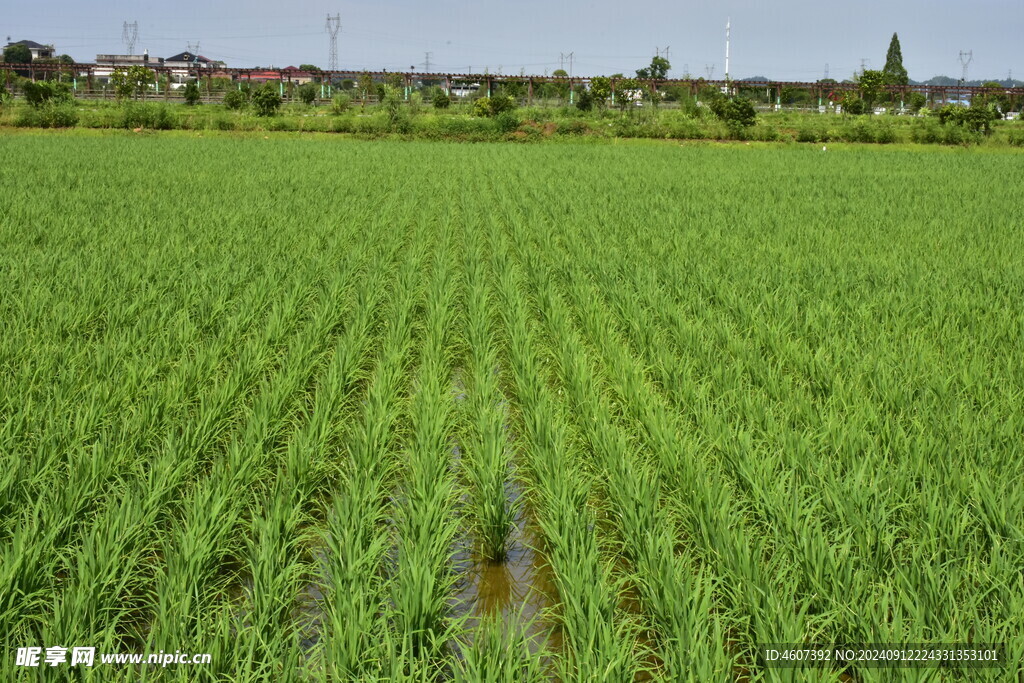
599 643
752 396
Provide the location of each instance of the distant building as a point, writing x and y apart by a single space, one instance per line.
261 76
38 51
188 59
105 64
184 66
296 75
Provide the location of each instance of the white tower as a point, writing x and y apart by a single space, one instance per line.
728 23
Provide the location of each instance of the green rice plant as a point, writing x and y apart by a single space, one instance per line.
501 653
487 451
265 419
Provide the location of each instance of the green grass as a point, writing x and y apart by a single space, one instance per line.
260 389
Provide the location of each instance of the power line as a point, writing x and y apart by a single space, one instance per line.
332 26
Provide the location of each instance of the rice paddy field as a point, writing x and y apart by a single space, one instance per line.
338 410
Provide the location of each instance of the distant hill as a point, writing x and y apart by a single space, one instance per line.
946 80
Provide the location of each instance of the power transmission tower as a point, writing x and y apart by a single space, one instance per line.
863 65
426 62
658 53
710 70
194 49
561 61
965 60
130 35
332 26
826 71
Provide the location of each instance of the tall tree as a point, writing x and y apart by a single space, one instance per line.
658 69
894 72
17 54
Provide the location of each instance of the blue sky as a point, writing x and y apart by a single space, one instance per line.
787 39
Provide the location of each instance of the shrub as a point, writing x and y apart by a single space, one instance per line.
343 124
341 103
397 115
283 123
765 133
308 93
482 106
492 106
235 99
506 122
142 115
585 100
223 123
738 113
977 118
886 135
266 101
859 132
501 103
853 105
1016 138
53 114
928 132
806 135
442 100
573 127
191 93
38 93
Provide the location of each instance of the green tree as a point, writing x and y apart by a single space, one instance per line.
39 93
365 86
191 93
442 100
658 70
309 67
266 101
895 73
17 54
133 82
871 84
236 99
560 89
601 89
628 91
308 93
584 99
998 99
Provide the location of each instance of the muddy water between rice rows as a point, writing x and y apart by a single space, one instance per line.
518 591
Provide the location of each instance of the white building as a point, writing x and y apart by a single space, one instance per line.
38 51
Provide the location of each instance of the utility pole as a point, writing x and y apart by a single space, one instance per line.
562 56
332 26
129 35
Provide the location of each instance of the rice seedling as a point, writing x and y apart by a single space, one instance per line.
749 395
